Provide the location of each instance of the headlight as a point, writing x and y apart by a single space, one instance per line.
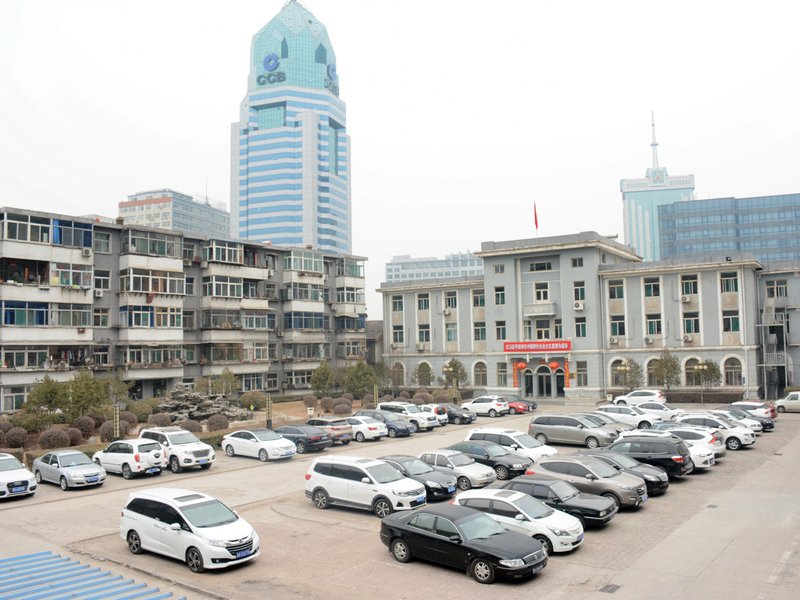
625 487
513 562
433 484
406 493
218 543
517 466
559 532
650 478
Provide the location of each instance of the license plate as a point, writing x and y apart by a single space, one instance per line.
536 569
421 499
202 461
451 489
242 553
644 498
346 436
580 537
91 480
152 470
18 489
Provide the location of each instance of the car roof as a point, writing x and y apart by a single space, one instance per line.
170 429
500 494
329 419
496 430
535 478
444 451
454 512
399 457
361 461
483 443
179 496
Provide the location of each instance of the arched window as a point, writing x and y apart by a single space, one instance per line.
321 55
617 376
284 49
479 374
733 371
692 374
398 374
652 378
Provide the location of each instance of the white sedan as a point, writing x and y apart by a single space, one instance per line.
264 444
631 415
367 428
663 410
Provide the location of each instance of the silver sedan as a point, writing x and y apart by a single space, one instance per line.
68 468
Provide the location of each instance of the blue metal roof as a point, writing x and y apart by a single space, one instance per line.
49 576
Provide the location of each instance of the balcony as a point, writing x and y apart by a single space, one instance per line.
774 359
539 309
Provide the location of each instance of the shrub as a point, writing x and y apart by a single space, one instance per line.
16 437
310 401
327 403
106 431
367 399
75 436
32 422
53 438
216 423
141 409
153 403
191 425
103 414
129 416
404 395
387 398
5 426
342 401
85 424
342 409
348 395
258 400
2 439
160 419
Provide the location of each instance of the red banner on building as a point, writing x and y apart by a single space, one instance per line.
538 346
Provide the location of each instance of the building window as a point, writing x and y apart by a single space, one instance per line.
652 379
542 292
777 288
451 332
479 374
397 304
500 330
502 374
578 290
100 317
577 262
730 321
617 374
618 325
189 319
424 334
500 295
689 285
541 266
542 329
499 270
479 331
102 242
397 334
652 287
558 330
190 286
423 302
478 299
450 300
527 329
616 289
581 374
693 376
733 371
580 327
102 280
691 322
729 283
653 324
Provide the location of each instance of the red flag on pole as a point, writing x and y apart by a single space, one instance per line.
535 217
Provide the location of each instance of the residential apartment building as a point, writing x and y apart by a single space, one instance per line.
161 308
168 209
461 264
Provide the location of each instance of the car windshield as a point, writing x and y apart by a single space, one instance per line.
10 464
583 421
726 421
495 450
603 417
370 421
183 438
265 435
412 409
480 526
211 513
75 459
460 460
669 406
626 462
527 441
594 420
384 473
416 467
739 414
563 490
601 469
535 509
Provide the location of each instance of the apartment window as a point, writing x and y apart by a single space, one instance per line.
220 286
729 283
136 316
730 320
691 322
424 334
578 290
397 304
72 315
450 300
502 374
102 242
577 262
499 269
688 285
478 299
27 228
168 317
500 295
479 331
616 289
542 329
100 317
652 287
190 286
102 280
541 266
653 324
581 373
451 332
777 288
189 319
423 302
580 327
500 330
527 330
479 376
66 274
397 334
558 330
618 325
542 292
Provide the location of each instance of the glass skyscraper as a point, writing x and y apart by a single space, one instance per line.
290 152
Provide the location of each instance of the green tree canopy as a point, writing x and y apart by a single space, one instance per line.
667 369
87 394
454 372
359 379
48 394
322 379
422 375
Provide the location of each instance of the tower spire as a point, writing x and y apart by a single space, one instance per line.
654 143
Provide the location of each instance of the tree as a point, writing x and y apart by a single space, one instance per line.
632 376
48 394
422 375
225 383
87 394
322 379
359 379
118 390
382 374
454 373
709 373
667 369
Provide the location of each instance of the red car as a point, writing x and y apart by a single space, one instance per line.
515 407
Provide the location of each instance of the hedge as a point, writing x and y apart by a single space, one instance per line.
191 425
85 424
16 437
216 422
75 436
53 438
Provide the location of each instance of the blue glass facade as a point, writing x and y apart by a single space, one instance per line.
767 226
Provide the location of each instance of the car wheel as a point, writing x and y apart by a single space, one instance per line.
392 432
733 443
229 450
644 425
320 499
38 476
457 420
194 560
512 411
501 471
359 437
134 542
301 447
781 409
492 413
175 465
206 466
157 473
621 402
548 545
345 442
591 442
64 484
541 438
612 497
126 471
263 455
582 520
482 570
414 427
400 551
382 508
464 483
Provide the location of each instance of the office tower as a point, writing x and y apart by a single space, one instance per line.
168 209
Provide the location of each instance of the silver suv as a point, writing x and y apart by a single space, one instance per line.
570 429
181 448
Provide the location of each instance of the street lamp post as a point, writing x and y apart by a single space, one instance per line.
448 372
623 369
702 367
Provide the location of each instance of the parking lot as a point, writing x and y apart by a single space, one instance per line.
731 531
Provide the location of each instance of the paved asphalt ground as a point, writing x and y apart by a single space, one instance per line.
730 532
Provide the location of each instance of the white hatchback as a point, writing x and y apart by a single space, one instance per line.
491 406
662 409
264 444
630 415
367 428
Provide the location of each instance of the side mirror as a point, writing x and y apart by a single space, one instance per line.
591 476
520 517
365 480
485 455
514 447
456 539
175 526
580 426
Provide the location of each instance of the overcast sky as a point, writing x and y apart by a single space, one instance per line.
462 114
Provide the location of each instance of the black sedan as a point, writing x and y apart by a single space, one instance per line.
438 485
305 437
458 415
396 425
590 509
462 538
505 464
655 478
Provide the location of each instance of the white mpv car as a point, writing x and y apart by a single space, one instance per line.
190 526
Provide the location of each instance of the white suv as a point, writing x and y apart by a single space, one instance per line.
361 483
630 415
513 441
190 526
132 457
418 417
181 447
637 396
487 405
15 479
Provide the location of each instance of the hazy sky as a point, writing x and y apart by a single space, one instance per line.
462 113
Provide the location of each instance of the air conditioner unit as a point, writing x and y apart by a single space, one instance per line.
685 298
204 264
279 333
687 337
98 293
87 252
301 274
612 340
648 340
420 347
334 308
446 312
578 305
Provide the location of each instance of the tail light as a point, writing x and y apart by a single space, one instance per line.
308 476
678 458
372 428
530 471
136 457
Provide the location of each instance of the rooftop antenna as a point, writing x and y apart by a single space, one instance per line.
654 143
